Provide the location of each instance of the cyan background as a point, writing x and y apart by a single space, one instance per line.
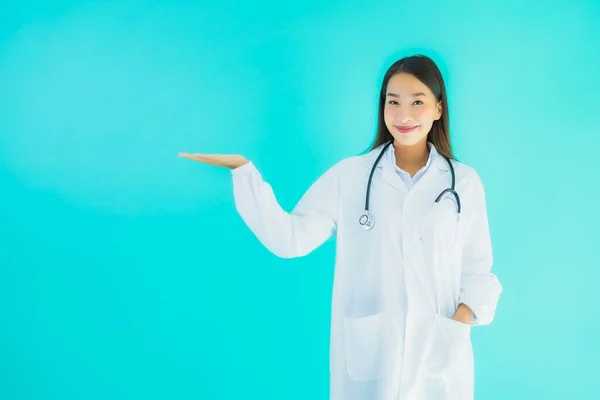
125 272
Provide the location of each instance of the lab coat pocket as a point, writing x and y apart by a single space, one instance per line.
449 353
368 349
439 229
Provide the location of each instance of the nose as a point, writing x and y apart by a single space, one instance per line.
403 116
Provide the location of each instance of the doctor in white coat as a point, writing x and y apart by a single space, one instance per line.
413 259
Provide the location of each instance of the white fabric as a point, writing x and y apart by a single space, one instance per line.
383 348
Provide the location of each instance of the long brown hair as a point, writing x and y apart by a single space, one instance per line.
424 69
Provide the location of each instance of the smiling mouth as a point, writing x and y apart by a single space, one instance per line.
405 129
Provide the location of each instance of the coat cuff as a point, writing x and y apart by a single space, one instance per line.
481 294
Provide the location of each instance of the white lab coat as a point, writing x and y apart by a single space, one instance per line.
384 346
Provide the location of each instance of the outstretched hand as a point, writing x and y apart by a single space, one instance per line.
230 161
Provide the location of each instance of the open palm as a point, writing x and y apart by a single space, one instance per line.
220 160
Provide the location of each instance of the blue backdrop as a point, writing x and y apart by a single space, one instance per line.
125 272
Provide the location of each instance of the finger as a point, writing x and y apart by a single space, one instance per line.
188 155
203 158
193 156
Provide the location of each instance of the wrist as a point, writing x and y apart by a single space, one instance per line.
239 164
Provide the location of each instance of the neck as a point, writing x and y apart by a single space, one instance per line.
411 158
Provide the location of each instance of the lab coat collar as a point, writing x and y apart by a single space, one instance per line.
434 156
436 163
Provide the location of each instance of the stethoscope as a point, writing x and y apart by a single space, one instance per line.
367 220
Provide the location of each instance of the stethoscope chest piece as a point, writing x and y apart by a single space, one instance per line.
366 220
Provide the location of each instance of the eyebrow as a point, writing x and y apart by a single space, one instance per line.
412 95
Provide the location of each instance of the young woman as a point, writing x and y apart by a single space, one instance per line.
413 250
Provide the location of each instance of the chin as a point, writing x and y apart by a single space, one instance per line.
407 140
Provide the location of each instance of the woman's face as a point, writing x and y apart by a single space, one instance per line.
410 109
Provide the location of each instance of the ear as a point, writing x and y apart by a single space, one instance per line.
438 114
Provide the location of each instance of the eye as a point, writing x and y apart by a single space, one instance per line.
418 101
392 102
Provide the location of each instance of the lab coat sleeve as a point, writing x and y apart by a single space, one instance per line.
480 288
287 234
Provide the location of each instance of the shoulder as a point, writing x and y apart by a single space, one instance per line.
469 183
359 163
466 172
349 171
354 164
